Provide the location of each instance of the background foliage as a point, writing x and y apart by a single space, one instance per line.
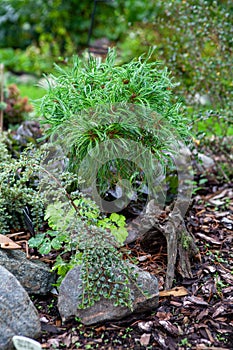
193 39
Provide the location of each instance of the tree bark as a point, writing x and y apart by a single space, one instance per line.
180 243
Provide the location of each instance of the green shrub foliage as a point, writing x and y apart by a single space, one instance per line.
95 101
92 82
18 189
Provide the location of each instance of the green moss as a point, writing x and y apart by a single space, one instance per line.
185 240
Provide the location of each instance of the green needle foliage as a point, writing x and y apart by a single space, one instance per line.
91 82
98 106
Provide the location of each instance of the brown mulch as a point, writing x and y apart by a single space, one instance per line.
197 314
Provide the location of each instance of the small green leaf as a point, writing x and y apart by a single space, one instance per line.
36 241
114 217
56 243
45 248
120 234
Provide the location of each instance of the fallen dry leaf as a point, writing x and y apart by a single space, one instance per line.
164 315
176 292
7 243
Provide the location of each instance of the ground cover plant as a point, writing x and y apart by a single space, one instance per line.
21 181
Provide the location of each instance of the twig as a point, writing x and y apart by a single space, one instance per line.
60 186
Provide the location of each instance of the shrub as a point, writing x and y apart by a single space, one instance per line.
34 60
94 102
18 189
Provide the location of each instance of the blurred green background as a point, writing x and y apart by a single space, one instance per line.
192 38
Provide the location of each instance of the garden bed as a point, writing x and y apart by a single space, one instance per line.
202 319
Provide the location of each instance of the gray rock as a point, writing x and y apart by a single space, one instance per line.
29 130
104 310
26 79
203 100
18 316
206 162
34 275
